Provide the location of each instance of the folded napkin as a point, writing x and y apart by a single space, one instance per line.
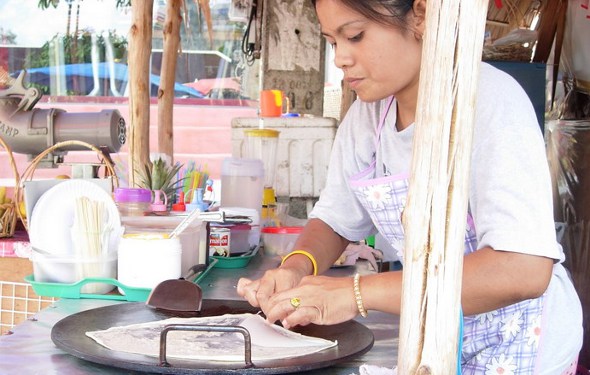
376 370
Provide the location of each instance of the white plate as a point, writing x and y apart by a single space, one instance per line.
53 216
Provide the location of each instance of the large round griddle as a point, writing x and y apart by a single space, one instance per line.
69 334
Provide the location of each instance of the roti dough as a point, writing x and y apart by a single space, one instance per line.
269 341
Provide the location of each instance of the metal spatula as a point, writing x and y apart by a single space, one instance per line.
181 295
216 216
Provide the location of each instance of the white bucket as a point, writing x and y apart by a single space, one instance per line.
193 239
146 259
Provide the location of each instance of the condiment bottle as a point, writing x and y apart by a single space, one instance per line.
158 205
179 206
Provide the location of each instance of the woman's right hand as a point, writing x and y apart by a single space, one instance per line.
258 292
327 246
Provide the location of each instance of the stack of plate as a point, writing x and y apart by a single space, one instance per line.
50 232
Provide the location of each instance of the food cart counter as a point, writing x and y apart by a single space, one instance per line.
30 350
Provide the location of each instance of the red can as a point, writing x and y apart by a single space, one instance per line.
219 240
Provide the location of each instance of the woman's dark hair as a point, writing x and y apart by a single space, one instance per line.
386 12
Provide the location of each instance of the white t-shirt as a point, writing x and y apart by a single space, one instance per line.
510 195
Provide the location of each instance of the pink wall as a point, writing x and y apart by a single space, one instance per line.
202 132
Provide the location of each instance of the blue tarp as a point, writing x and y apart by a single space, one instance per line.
42 76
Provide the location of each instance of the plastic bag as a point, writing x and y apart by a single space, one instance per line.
568 154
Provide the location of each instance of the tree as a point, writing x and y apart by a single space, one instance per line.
7 37
83 51
45 4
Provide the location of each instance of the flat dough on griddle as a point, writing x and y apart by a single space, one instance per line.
269 341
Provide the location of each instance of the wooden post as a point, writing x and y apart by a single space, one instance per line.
436 210
140 48
168 77
293 54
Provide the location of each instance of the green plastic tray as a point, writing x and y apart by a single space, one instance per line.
60 290
132 294
233 262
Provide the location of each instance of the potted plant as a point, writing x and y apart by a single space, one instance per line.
160 175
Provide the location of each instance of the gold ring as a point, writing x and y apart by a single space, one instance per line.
295 302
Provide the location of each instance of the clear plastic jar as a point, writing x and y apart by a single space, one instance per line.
133 201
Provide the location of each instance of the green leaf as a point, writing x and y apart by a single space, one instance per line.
161 176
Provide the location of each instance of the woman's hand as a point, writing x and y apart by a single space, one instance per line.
318 247
322 300
258 292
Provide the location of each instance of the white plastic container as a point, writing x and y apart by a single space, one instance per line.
239 238
279 240
254 215
147 259
242 183
193 240
239 234
67 269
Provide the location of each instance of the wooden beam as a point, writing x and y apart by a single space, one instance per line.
497 23
435 214
168 77
140 49
547 28
551 31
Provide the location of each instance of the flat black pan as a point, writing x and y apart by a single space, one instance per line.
69 334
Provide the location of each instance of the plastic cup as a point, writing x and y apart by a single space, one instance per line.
272 103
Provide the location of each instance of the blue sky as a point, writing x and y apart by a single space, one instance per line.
34 26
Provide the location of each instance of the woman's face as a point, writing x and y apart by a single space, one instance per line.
377 60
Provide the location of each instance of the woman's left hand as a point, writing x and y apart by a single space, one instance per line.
317 299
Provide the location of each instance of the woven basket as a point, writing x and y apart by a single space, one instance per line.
8 211
30 170
511 52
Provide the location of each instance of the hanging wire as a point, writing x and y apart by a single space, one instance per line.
248 48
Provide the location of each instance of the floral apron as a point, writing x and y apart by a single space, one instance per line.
504 341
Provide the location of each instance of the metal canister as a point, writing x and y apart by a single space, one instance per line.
219 240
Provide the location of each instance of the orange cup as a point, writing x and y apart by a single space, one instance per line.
272 102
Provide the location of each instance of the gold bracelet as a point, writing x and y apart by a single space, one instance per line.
308 255
357 295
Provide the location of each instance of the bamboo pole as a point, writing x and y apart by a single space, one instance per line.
140 48
435 215
168 77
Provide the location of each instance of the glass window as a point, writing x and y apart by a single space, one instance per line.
76 53
83 50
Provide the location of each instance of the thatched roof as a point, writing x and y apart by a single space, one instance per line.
510 15
517 29
508 29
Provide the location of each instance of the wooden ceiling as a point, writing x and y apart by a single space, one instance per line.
507 15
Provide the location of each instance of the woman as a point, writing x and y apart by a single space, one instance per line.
521 311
